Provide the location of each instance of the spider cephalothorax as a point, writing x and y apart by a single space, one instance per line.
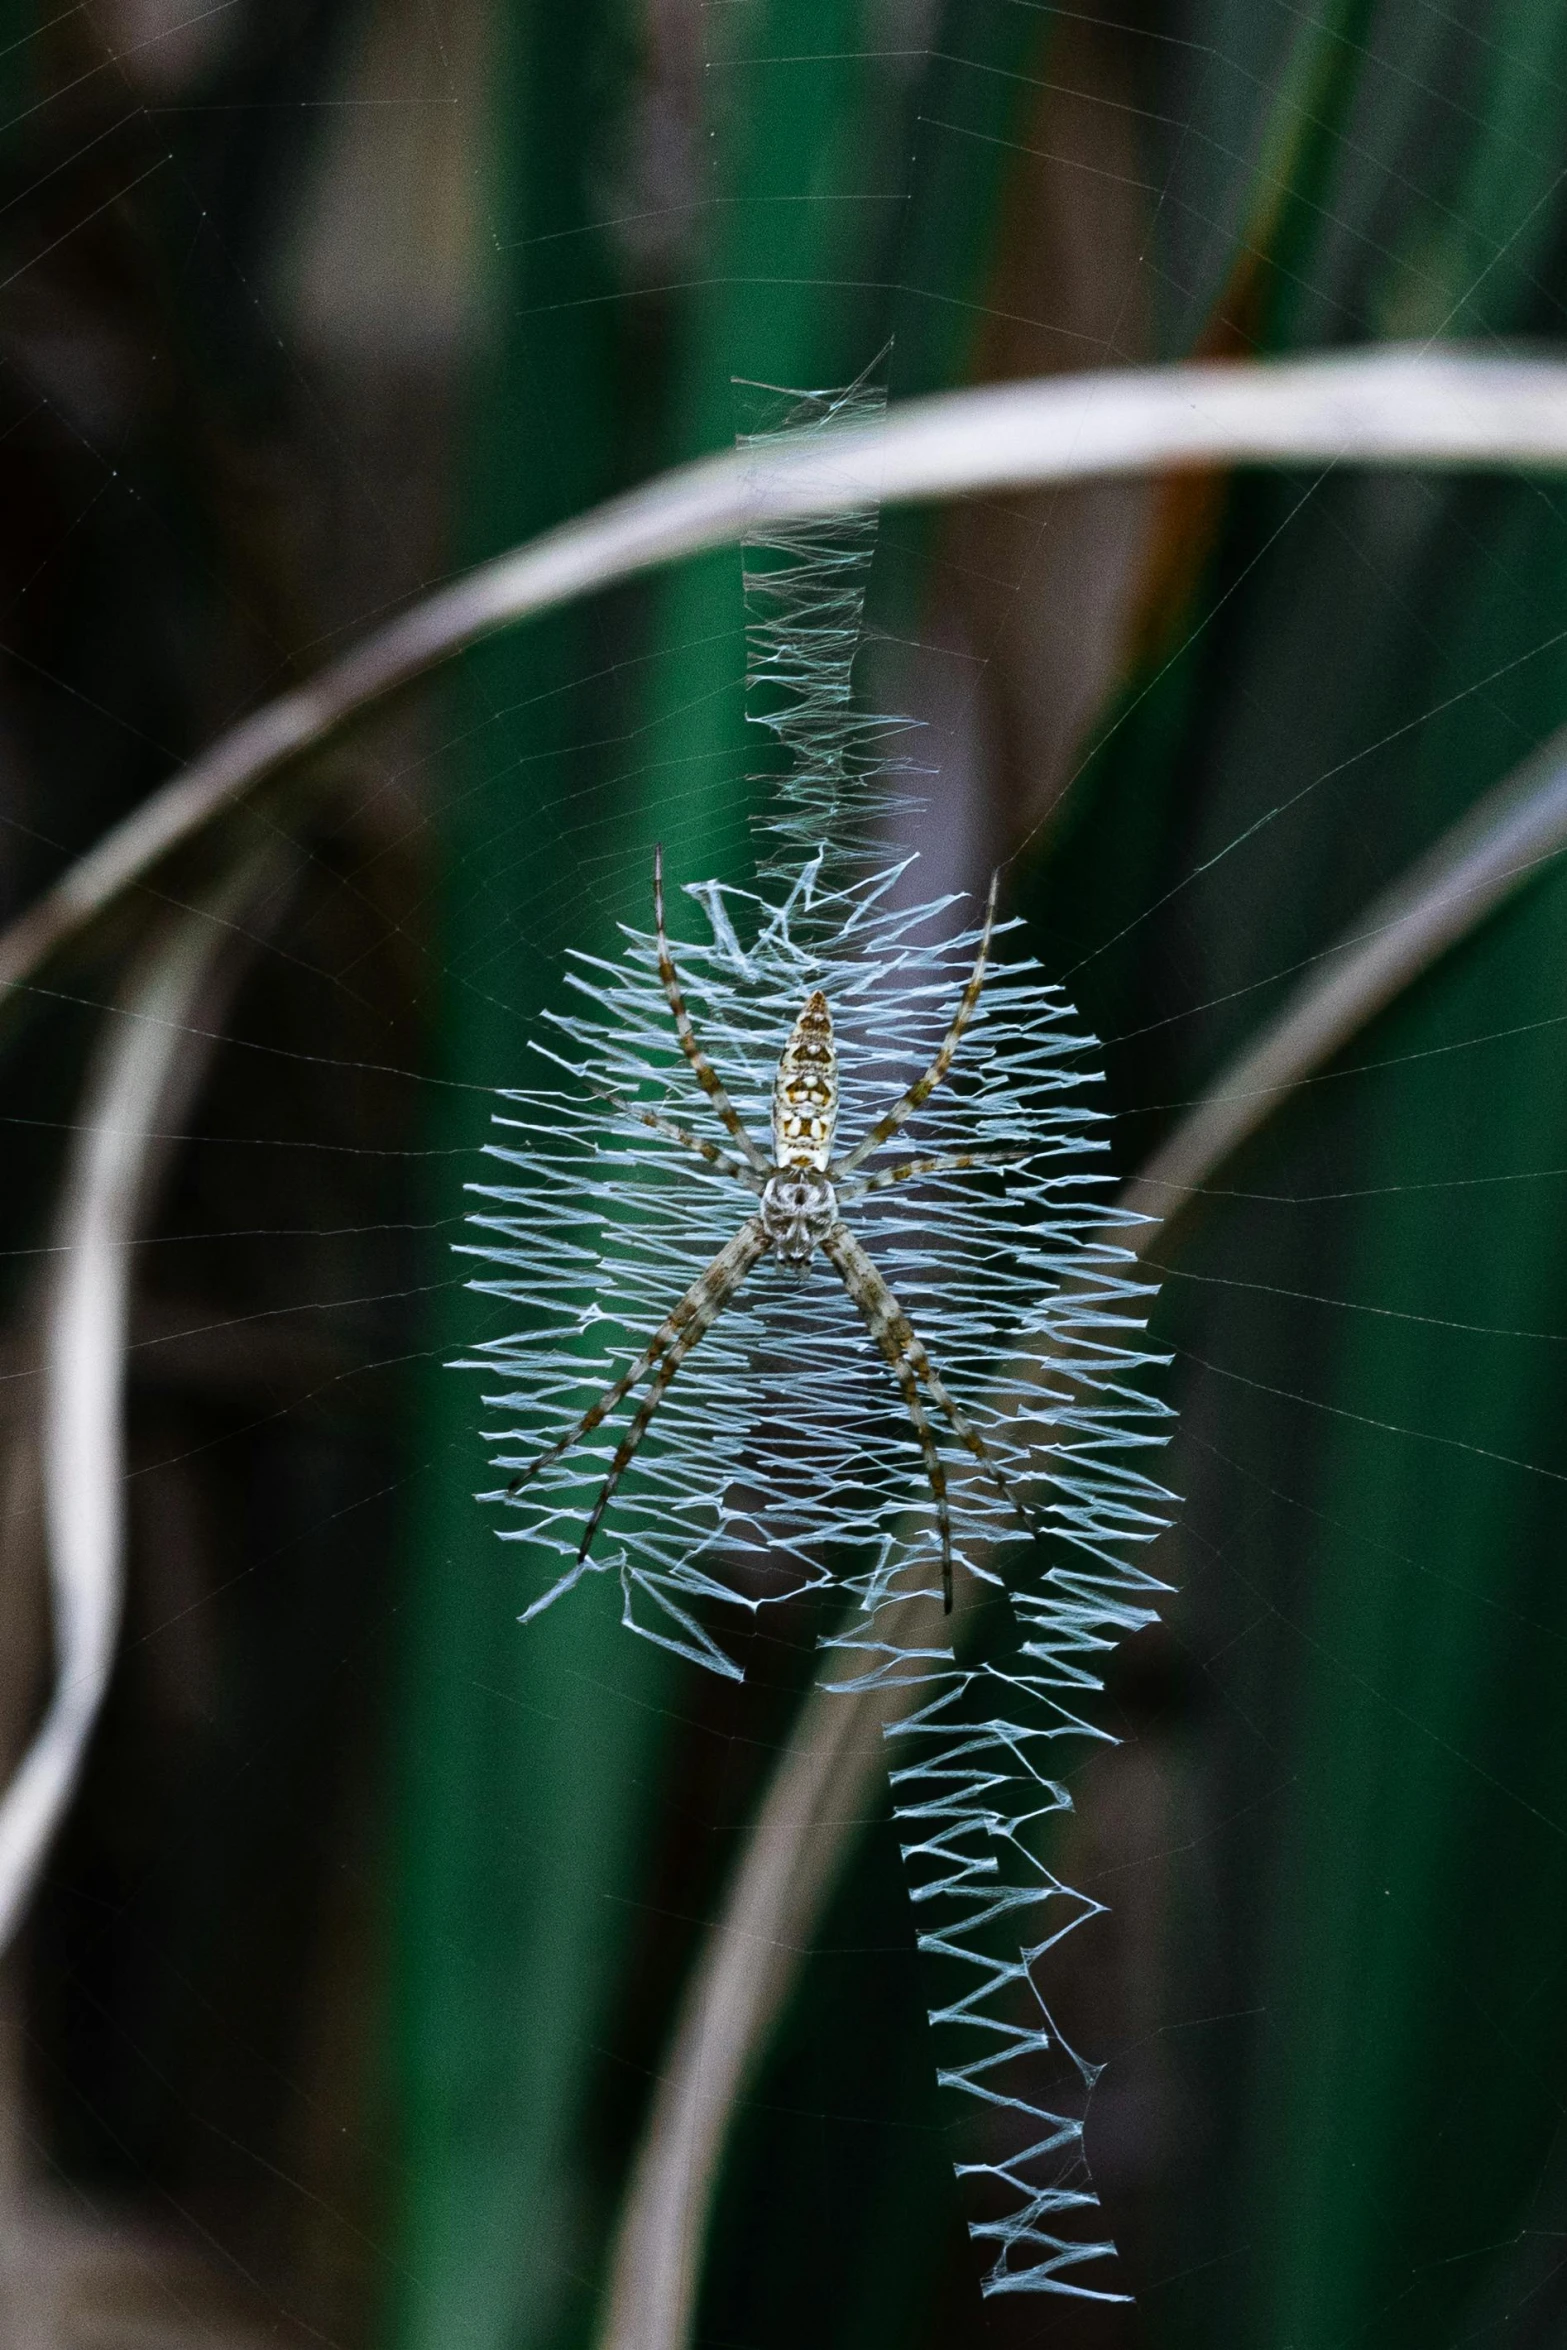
800 1193
799 1208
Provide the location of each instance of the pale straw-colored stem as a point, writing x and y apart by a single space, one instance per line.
140 1066
1386 406
823 1789
1445 895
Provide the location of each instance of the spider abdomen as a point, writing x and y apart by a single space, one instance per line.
805 1090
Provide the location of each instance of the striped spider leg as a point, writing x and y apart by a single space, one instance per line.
799 1191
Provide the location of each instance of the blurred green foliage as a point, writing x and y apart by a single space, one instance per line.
1373 1610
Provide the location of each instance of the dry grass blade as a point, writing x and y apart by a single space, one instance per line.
820 1796
142 1064
1383 406
821 1791
1445 896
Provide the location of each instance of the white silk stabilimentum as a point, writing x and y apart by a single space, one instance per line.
782 1458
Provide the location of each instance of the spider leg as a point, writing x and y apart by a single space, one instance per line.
706 1299
703 1303
942 1163
923 1087
966 1432
603 1407
707 1076
667 1127
933 1464
890 1328
707 1296
895 1334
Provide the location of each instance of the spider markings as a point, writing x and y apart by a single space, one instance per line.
799 1204
805 1091
797 1214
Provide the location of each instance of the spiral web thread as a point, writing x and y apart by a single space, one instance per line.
781 1461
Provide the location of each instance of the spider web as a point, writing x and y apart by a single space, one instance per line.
1344 1730
780 1462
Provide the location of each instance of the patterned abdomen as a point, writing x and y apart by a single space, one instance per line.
805 1090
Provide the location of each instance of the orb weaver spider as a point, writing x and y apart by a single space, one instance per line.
799 1191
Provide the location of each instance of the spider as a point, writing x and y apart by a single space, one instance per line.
799 1192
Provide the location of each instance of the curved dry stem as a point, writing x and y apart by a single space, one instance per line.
1445 896
1388 406
142 1065
821 1793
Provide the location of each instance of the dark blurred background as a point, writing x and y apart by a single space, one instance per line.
337 2017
